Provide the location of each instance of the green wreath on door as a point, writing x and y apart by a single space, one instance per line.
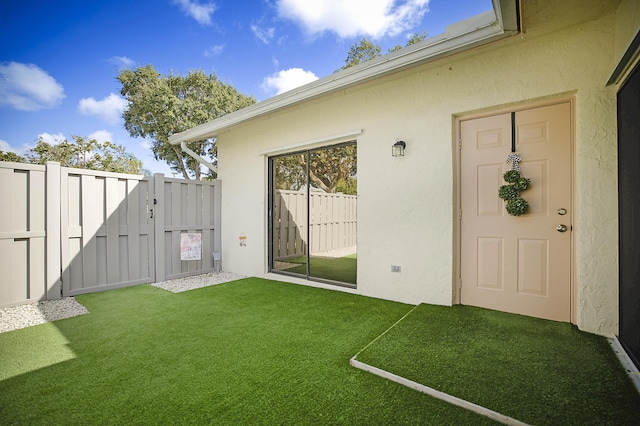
516 183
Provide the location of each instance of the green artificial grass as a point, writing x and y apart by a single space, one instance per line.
246 352
342 269
536 371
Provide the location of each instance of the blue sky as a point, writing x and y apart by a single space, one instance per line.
59 59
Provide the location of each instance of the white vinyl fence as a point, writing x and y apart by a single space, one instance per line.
67 231
332 223
185 206
28 269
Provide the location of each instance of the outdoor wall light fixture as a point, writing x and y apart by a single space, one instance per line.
397 150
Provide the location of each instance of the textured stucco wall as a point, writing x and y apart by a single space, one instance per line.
627 23
406 205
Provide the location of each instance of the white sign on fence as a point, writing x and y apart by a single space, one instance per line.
190 246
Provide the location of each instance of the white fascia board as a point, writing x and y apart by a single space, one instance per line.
508 14
478 30
341 137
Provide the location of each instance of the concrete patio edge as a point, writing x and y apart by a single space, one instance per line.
478 409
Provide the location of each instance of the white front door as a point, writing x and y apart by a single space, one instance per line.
517 264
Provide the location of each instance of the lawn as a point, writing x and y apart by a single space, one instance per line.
536 371
246 352
257 352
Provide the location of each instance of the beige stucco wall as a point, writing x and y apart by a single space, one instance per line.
406 205
627 18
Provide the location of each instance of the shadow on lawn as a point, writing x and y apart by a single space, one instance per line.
255 351
251 351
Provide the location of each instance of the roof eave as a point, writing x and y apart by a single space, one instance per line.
482 29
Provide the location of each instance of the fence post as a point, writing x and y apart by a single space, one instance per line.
158 226
217 221
53 229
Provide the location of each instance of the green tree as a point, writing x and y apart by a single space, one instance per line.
84 153
415 38
328 168
348 186
160 106
331 169
361 51
68 154
365 50
12 157
289 172
114 158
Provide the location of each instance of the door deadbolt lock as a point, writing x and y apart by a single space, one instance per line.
561 228
562 211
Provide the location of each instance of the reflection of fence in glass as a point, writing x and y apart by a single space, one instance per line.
332 223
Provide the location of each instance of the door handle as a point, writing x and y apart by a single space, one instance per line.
561 228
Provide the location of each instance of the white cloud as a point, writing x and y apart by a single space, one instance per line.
4 146
101 136
27 87
264 35
285 80
214 50
122 62
350 18
109 109
200 12
52 139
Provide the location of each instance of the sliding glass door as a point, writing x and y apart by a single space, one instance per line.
313 214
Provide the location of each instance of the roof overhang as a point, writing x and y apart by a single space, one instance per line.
503 21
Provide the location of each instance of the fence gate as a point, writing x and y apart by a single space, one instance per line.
185 206
107 231
123 230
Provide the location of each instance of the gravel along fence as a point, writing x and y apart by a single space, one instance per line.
38 313
51 310
197 281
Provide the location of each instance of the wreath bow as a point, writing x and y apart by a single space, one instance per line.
514 159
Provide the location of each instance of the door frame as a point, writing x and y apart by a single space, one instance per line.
628 312
457 202
270 206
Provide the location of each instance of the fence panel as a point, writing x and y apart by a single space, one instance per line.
289 219
332 223
107 231
185 207
67 231
22 234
